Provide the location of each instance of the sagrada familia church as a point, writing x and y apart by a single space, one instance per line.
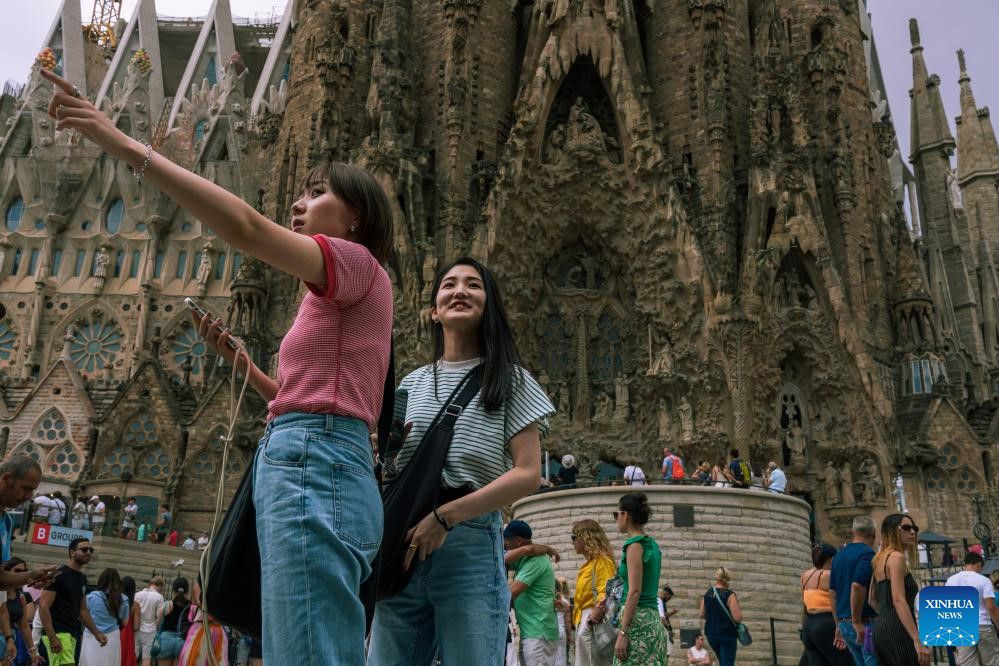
704 228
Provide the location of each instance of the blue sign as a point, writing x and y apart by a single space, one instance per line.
948 616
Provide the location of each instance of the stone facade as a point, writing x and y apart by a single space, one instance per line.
763 540
695 209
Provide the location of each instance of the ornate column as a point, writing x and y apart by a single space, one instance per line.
732 339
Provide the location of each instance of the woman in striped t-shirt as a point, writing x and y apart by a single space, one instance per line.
313 469
457 601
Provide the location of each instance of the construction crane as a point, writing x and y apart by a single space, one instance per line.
102 24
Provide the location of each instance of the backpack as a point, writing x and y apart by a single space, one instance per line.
677 469
745 474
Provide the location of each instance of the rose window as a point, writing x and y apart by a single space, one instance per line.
65 461
966 481
141 430
51 428
94 345
155 464
116 462
7 338
189 344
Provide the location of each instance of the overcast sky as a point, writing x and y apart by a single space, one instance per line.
945 27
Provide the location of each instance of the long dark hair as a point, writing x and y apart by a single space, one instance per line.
109 583
128 589
358 189
500 357
180 588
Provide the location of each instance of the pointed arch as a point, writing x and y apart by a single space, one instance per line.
65 461
154 463
29 449
50 428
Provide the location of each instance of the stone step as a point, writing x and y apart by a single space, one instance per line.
141 561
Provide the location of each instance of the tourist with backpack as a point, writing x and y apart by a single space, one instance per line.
739 473
673 471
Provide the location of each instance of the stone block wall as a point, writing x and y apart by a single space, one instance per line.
762 538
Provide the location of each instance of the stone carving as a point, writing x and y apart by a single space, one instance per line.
664 421
831 480
796 443
954 191
872 485
101 261
686 419
846 483
580 136
204 272
603 407
663 364
621 398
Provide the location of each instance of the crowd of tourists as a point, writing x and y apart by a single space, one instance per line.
437 587
859 604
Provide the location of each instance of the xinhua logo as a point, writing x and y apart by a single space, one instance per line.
948 616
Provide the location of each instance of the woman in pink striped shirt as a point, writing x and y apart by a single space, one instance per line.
319 518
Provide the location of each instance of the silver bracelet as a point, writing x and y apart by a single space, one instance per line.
141 171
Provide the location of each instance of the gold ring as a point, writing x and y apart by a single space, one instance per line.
413 546
76 92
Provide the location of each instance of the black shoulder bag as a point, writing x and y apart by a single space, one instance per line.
412 494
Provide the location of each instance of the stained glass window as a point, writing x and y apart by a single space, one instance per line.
141 430
154 464
95 344
114 216
133 268
30 450
65 461
189 343
115 462
15 211
51 428
204 464
7 338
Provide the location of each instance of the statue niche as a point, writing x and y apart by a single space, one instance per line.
792 288
582 123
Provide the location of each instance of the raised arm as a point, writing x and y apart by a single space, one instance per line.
231 218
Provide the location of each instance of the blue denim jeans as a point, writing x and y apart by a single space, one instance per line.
319 524
857 651
457 603
724 648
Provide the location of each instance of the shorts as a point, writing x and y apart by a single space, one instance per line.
144 643
68 653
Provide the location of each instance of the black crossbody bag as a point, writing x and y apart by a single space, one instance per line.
409 496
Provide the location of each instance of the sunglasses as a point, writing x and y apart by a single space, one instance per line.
909 528
85 550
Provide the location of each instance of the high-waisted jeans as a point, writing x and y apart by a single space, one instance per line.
456 604
319 524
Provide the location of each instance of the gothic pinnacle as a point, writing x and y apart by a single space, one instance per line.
914 33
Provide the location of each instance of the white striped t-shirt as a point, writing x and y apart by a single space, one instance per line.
479 452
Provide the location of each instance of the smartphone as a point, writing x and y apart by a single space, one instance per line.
200 311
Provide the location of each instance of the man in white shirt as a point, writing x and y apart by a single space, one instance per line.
987 649
189 543
78 519
128 515
57 510
98 514
776 480
150 602
698 655
203 541
633 474
43 505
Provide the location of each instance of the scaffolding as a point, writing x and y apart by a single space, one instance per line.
101 29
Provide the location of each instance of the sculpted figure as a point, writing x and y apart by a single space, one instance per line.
686 419
796 442
621 398
830 479
954 190
664 420
874 487
663 365
204 272
846 482
101 261
604 407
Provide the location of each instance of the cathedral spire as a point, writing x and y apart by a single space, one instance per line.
929 120
977 152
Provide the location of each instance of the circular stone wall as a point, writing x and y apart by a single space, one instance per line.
761 537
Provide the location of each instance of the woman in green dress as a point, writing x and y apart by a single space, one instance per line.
641 639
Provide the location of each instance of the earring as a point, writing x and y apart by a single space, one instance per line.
353 228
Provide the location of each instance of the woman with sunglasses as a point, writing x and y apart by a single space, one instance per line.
314 464
896 635
21 611
458 598
641 637
590 541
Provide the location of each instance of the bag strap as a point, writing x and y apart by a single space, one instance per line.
445 418
593 580
724 606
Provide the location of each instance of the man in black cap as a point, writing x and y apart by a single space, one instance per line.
533 594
